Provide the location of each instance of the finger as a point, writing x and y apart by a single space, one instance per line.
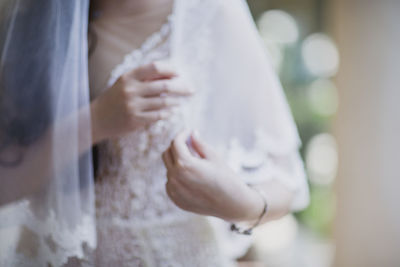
168 161
202 148
157 103
154 71
178 195
153 116
173 189
179 148
173 87
172 156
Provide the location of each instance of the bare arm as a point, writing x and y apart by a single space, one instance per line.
37 164
140 97
206 185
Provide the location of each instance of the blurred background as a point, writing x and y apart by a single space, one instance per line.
339 65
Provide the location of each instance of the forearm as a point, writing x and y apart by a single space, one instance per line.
68 139
279 199
283 184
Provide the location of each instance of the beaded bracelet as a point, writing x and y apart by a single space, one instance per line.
249 231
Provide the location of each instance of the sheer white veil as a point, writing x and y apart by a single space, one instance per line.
216 45
242 109
46 181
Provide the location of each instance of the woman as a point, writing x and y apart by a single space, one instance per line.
157 68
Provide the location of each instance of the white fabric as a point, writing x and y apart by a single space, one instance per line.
239 107
138 225
119 35
46 181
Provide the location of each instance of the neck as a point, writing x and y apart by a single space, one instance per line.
123 8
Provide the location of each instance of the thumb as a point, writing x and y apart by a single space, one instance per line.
204 150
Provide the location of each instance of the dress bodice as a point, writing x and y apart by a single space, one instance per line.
138 225
131 177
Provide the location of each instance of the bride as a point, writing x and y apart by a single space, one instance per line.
194 138
160 71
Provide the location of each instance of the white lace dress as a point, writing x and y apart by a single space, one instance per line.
137 224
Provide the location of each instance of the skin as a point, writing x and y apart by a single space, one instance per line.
196 183
139 98
128 7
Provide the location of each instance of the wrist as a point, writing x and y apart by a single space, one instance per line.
248 207
255 207
247 226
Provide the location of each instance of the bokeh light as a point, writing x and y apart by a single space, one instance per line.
320 55
322 159
281 234
323 97
305 61
278 26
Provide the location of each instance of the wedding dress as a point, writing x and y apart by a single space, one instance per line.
137 224
46 195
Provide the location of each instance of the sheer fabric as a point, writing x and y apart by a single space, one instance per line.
46 181
217 46
239 107
138 225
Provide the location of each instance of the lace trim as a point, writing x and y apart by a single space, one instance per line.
131 59
255 166
44 243
162 244
132 191
261 163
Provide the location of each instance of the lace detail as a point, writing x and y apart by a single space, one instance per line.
56 244
133 162
257 164
138 225
165 244
131 60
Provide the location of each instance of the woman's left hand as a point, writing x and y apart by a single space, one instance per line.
204 183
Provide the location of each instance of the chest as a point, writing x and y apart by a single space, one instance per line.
120 49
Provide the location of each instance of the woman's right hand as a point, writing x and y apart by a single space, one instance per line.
138 98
